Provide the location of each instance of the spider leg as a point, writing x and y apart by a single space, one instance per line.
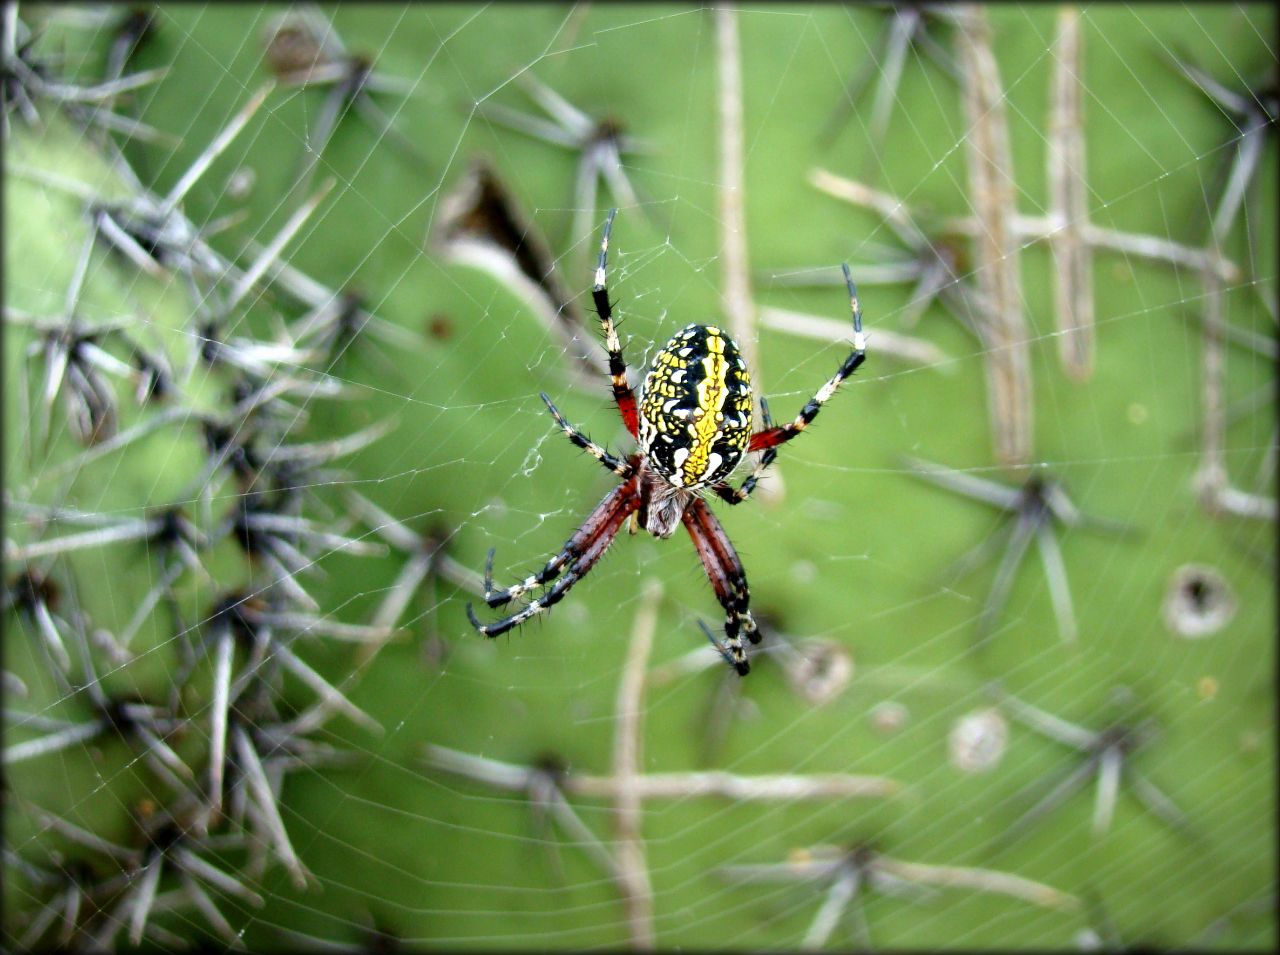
622 394
772 437
728 580
719 646
573 548
616 465
732 495
580 567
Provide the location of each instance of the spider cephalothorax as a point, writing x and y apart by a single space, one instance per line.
693 427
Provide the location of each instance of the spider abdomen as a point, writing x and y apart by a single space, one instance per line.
695 408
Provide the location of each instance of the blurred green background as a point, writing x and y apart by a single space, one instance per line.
856 550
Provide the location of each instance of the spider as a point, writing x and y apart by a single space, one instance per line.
692 423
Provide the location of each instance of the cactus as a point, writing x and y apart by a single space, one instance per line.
281 291
155 446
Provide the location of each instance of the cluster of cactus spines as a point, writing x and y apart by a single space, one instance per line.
303 50
225 597
1108 756
601 144
481 224
1040 506
221 597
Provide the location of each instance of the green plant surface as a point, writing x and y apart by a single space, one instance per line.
855 549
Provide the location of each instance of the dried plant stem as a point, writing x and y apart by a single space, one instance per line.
679 785
897 215
991 185
1213 467
632 870
766 788
1213 483
985 880
920 351
1068 203
739 304
893 210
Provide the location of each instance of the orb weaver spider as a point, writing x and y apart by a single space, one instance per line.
693 425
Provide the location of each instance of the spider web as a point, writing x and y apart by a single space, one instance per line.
418 833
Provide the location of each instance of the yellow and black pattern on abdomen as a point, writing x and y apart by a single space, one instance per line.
695 409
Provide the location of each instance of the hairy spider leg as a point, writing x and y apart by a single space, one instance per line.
731 649
728 579
734 571
622 393
606 520
573 548
611 463
736 495
623 469
771 437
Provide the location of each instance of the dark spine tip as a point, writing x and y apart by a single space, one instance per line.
488 573
475 621
853 296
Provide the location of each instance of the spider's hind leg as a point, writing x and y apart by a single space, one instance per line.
731 649
729 581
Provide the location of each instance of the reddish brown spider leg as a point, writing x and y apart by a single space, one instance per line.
574 547
576 571
622 394
734 572
727 577
772 437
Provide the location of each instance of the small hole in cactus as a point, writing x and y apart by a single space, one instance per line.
1199 602
440 326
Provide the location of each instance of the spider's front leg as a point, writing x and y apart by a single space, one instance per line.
736 495
573 546
728 579
622 394
612 463
772 437
580 552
